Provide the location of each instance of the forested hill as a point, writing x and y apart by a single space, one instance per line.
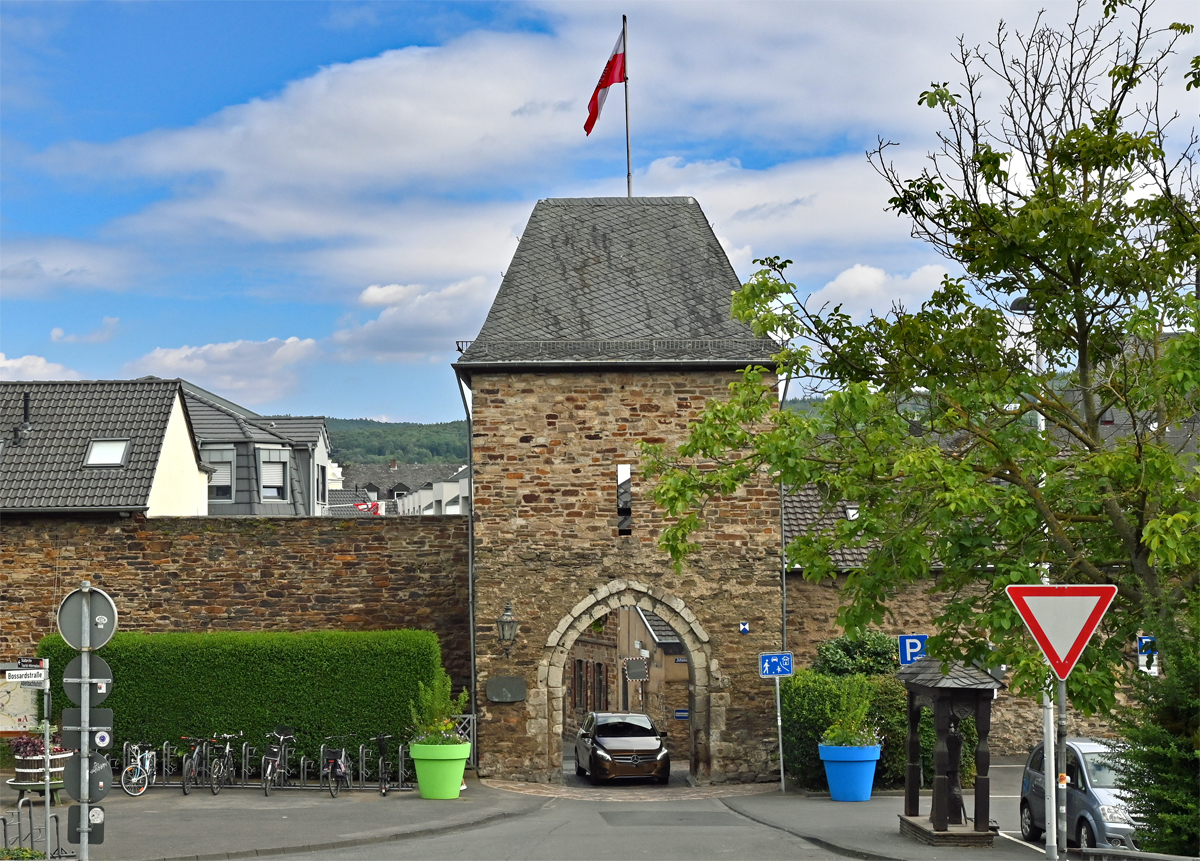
369 441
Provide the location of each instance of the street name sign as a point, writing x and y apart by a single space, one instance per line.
24 675
774 664
1062 619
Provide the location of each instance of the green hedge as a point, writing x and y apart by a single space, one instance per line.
811 702
323 683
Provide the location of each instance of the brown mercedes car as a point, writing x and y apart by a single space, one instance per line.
611 745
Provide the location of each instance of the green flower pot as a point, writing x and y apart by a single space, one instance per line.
440 768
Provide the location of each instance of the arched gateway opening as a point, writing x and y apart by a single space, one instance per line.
703 672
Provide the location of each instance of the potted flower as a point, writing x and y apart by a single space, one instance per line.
437 750
30 754
850 748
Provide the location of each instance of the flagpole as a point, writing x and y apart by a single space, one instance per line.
628 157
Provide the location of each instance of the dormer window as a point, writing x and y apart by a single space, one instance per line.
107 452
852 511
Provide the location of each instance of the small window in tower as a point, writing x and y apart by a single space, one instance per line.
624 500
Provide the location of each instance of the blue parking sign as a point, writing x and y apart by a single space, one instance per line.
912 646
774 664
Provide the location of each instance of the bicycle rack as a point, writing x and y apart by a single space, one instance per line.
247 753
304 763
166 762
362 766
58 852
27 801
126 761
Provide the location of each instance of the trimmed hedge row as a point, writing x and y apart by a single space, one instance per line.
167 685
811 702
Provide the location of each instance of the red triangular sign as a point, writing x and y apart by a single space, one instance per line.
1062 618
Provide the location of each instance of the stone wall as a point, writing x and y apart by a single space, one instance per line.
241 574
812 618
546 449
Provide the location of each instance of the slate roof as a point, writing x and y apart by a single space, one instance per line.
927 672
410 475
45 472
218 420
616 280
805 510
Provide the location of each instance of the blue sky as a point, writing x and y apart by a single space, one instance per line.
302 205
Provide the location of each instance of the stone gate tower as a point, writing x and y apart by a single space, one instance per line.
612 327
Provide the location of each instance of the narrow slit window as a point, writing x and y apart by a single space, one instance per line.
624 500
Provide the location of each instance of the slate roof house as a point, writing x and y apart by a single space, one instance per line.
264 465
99 446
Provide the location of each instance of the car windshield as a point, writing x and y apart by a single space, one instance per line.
626 727
1100 770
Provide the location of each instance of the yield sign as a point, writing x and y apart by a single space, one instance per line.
1062 618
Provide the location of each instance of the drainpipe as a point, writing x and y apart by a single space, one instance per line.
783 543
470 546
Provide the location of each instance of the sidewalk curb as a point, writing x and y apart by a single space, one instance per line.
350 844
819 841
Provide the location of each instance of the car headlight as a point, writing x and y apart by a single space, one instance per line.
601 753
1116 814
662 754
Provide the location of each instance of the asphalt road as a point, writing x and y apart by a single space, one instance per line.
663 831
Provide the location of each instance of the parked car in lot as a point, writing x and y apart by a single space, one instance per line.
1096 811
612 745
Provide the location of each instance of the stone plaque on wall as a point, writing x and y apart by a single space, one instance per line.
506 689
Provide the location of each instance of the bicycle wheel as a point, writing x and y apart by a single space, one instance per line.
268 772
335 783
189 774
217 777
134 780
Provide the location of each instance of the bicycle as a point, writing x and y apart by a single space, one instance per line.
195 763
384 765
138 775
272 772
335 766
221 770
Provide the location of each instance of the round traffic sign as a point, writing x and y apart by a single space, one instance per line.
101 618
99 670
102 738
99 773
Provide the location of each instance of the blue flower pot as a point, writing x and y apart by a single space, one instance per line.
850 771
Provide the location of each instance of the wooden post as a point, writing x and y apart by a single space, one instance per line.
912 773
983 761
941 755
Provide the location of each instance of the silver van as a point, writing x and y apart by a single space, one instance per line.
1096 812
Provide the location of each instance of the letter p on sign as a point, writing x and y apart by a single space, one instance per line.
912 646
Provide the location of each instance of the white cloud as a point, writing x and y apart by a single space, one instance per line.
34 368
98 336
419 323
248 371
391 294
861 290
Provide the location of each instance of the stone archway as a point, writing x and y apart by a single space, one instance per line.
703 673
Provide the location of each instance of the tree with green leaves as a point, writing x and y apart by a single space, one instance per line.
985 447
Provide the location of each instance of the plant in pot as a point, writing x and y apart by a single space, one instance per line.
29 752
850 746
437 750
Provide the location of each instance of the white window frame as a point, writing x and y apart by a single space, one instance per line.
277 457
87 456
226 455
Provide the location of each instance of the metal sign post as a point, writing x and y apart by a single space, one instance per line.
87 619
776 665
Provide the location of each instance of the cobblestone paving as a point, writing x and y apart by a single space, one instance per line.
632 792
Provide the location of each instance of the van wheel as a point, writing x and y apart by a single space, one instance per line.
1029 831
1087 840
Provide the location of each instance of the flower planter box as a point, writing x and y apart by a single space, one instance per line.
32 769
440 768
849 770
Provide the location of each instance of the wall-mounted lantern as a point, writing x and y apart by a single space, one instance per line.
506 626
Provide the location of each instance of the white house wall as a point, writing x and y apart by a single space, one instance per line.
180 487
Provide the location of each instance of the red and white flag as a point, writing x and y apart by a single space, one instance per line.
614 73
